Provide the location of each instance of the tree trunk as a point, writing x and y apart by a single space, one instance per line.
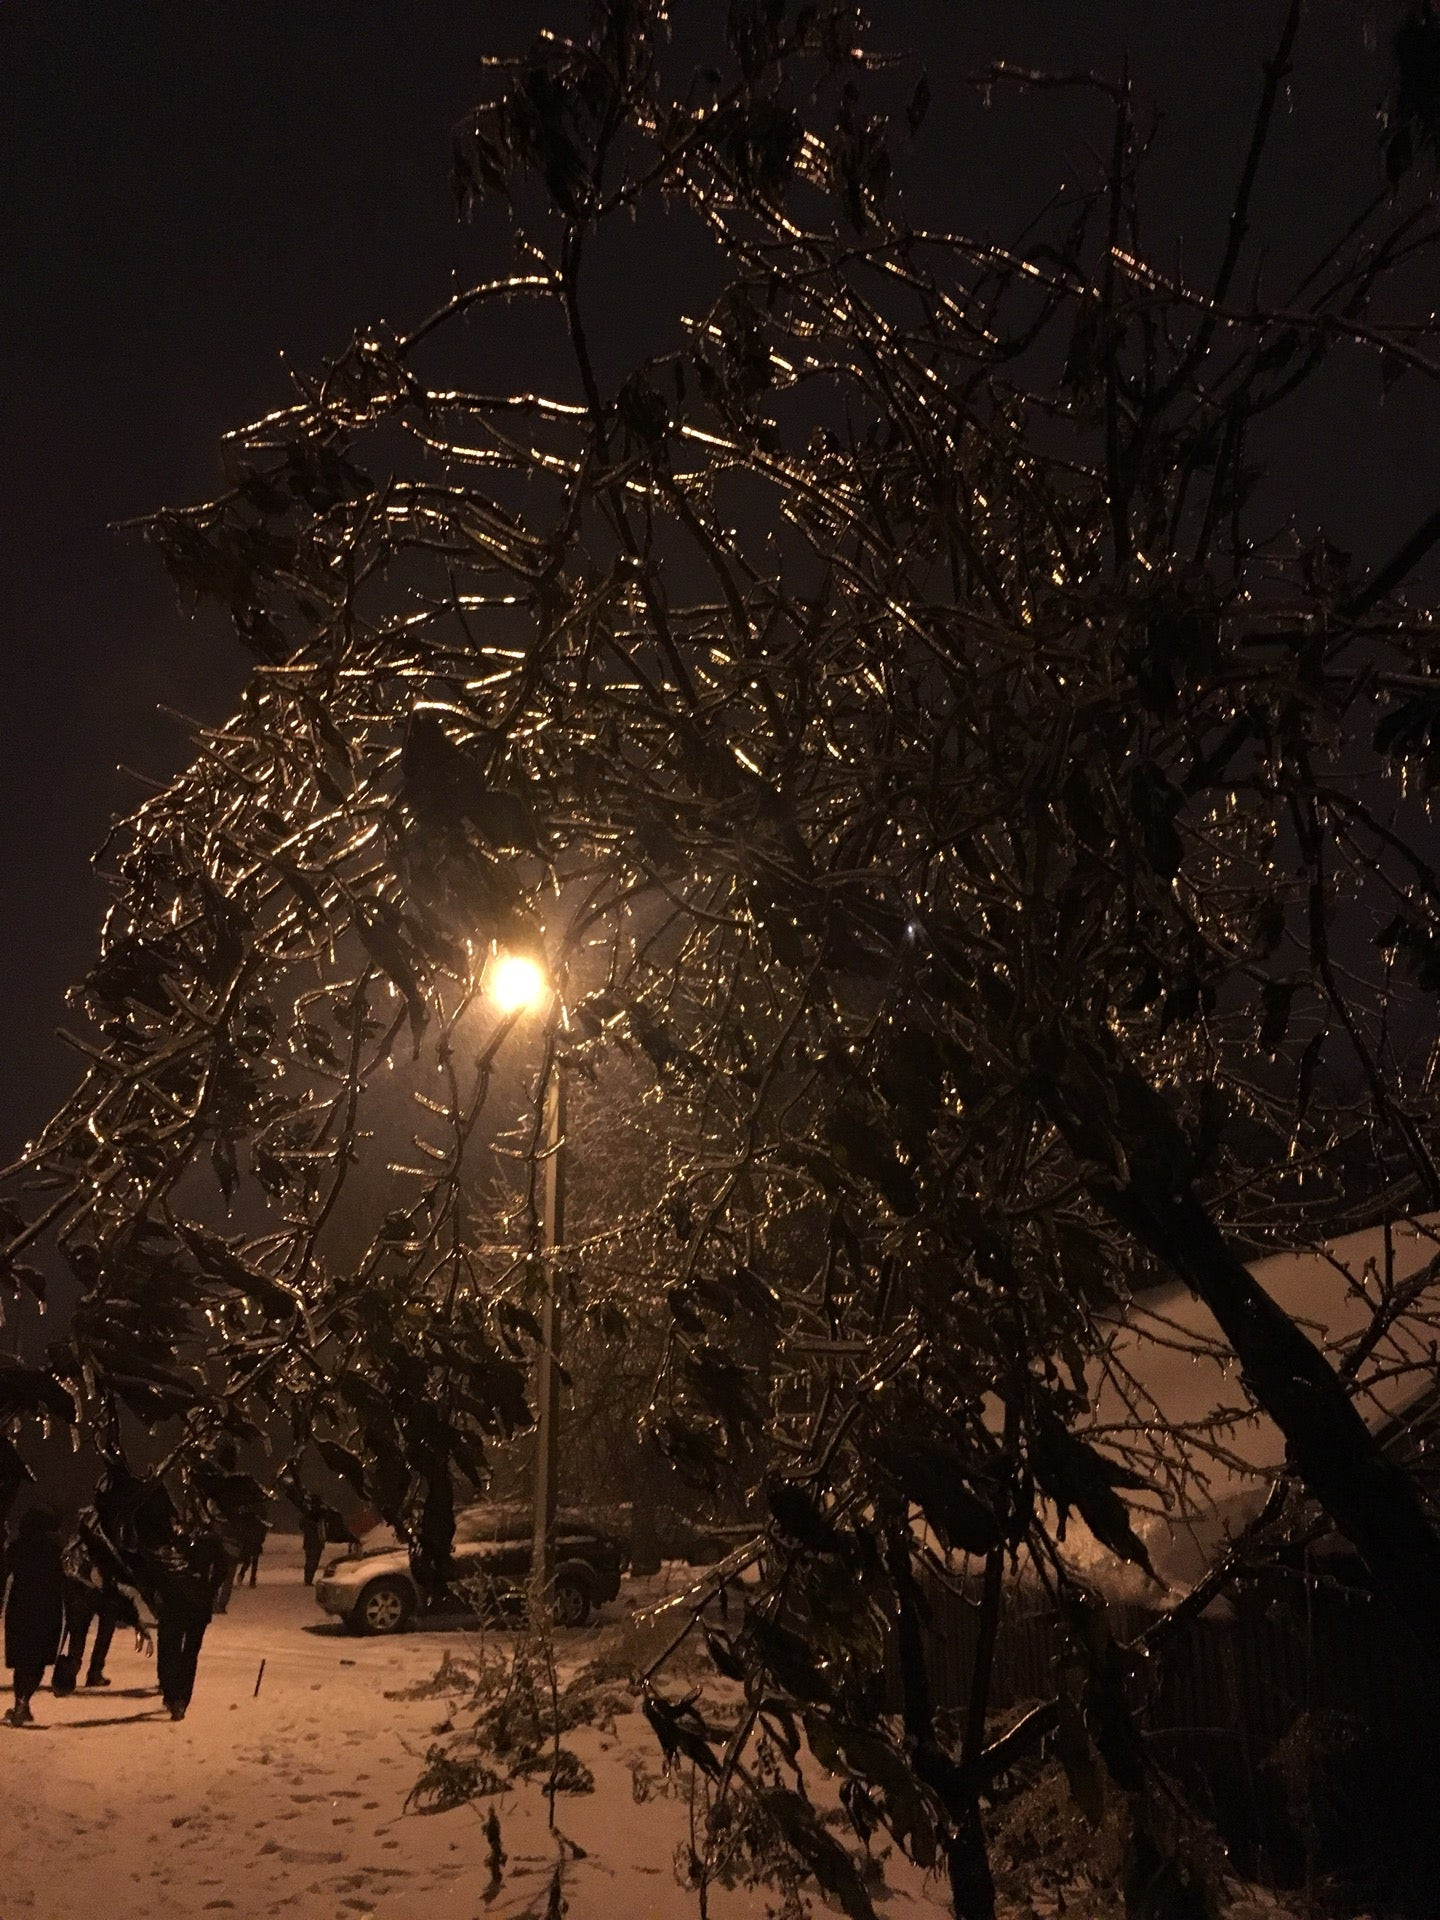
967 1855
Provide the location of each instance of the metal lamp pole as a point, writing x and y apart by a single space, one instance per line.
547 1412
519 983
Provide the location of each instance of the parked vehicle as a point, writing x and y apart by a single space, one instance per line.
697 1539
372 1590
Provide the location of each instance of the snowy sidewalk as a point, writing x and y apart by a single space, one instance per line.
251 1805
292 1801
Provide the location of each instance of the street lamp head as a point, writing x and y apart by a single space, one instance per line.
518 984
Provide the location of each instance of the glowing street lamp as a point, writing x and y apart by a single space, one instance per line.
517 985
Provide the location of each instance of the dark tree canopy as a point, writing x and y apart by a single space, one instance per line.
978 844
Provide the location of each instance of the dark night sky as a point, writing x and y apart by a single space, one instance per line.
192 191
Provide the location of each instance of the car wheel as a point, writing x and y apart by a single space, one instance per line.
571 1604
384 1607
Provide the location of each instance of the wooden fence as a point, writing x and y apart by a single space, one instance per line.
1304 1724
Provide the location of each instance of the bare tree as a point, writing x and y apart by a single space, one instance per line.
887 709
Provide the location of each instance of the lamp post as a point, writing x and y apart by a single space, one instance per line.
520 985
547 1394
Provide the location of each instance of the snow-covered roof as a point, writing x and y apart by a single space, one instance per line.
1169 1396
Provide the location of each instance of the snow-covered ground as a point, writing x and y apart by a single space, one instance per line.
292 1800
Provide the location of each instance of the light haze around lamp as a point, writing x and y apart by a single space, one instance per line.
517 984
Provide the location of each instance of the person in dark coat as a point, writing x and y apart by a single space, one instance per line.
93 1594
34 1607
252 1530
312 1534
320 1525
184 1579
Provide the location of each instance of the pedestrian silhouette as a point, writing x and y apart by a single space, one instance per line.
95 1593
186 1578
252 1530
34 1607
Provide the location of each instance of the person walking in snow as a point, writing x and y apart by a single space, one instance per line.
311 1509
185 1578
95 1593
320 1525
34 1607
253 1530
